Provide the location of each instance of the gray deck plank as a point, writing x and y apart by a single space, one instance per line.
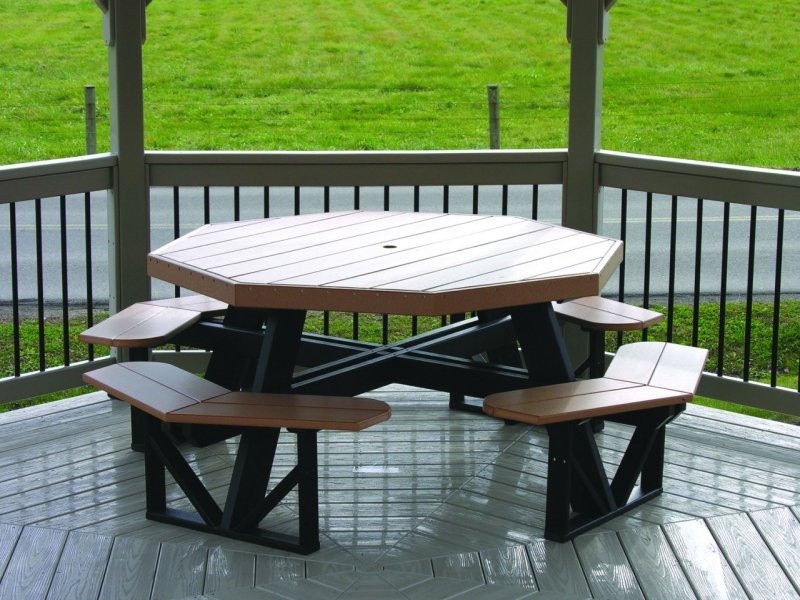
780 435
486 529
750 557
466 565
508 565
607 569
180 571
713 415
131 569
703 561
80 571
278 568
773 457
657 569
31 568
557 569
780 529
228 569
9 534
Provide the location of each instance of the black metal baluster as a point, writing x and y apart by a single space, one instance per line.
386 189
446 199
648 251
414 319
673 239
723 287
748 317
356 206
623 233
535 202
40 282
12 222
475 196
266 201
87 228
326 208
176 223
698 261
776 301
64 280
206 205
236 204
504 200
297 199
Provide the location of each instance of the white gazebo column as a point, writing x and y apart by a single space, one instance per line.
128 206
587 26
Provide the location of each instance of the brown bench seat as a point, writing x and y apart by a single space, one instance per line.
148 324
646 385
597 315
167 394
145 325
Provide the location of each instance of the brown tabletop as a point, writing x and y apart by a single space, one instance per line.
271 271
388 262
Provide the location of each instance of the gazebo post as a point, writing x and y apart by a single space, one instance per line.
587 26
129 200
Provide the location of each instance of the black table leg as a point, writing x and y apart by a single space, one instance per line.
542 344
504 355
279 350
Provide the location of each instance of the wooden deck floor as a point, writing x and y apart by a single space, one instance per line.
432 504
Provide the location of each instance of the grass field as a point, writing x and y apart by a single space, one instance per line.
701 79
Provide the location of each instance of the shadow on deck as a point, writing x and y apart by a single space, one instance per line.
432 504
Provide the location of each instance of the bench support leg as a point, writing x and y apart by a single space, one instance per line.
246 505
579 494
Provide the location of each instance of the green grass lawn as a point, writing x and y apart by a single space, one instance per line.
701 79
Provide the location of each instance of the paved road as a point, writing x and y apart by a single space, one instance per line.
431 199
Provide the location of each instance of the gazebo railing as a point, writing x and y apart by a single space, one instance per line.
718 237
729 245
53 243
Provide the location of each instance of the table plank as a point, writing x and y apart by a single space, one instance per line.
524 266
383 228
219 238
429 265
436 258
421 251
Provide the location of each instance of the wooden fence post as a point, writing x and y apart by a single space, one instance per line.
494 116
90 114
